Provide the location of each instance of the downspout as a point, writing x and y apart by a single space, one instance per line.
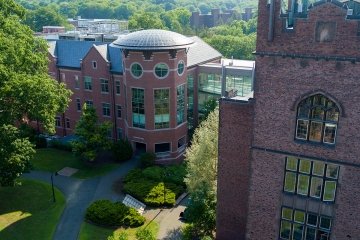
271 21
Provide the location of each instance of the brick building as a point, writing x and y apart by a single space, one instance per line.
289 163
151 85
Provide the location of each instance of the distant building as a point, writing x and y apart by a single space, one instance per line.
216 18
99 25
53 29
213 19
247 14
151 84
289 165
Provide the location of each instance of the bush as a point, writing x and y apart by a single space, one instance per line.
152 192
144 234
40 142
147 159
147 184
122 150
66 146
107 213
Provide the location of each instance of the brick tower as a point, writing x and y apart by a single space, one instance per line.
289 158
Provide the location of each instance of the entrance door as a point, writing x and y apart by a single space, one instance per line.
140 147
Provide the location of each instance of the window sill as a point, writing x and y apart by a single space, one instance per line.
317 144
308 198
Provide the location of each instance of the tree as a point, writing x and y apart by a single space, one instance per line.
124 11
145 20
201 159
44 16
26 91
15 155
92 136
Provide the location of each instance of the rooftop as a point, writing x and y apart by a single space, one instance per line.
153 39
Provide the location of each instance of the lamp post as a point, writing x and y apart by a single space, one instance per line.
52 185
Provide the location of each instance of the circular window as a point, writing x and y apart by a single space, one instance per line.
161 70
181 67
136 70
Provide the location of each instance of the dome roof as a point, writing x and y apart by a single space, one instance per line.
153 39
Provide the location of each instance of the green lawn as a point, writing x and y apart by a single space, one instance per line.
28 211
53 160
92 232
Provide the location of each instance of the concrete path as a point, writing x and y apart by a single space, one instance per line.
80 193
169 221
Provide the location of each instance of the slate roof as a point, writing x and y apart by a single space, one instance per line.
201 52
115 55
69 53
153 39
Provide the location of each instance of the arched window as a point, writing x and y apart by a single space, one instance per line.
317 120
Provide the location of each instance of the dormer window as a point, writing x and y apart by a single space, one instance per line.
317 120
94 65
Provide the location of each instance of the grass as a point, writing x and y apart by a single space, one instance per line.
53 160
91 232
28 211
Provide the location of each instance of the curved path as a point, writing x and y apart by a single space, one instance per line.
80 193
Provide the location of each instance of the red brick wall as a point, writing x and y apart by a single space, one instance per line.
280 83
149 82
235 135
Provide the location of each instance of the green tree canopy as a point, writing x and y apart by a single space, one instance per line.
201 159
145 20
26 91
92 136
44 16
15 155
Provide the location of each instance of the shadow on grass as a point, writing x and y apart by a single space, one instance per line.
174 234
28 211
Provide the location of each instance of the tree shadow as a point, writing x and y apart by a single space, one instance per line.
174 234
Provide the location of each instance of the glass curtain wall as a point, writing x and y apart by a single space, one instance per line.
138 110
180 104
242 85
162 108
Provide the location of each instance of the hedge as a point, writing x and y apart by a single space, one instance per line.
147 185
122 150
107 213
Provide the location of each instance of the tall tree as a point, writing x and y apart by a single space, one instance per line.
44 16
26 91
15 154
145 20
92 136
201 159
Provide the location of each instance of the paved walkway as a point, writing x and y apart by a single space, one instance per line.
169 221
80 193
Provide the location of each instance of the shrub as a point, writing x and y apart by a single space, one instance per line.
40 142
66 146
144 234
147 185
107 213
122 150
152 192
121 236
147 159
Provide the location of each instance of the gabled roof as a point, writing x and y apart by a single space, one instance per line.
103 50
201 52
69 53
115 57
52 48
